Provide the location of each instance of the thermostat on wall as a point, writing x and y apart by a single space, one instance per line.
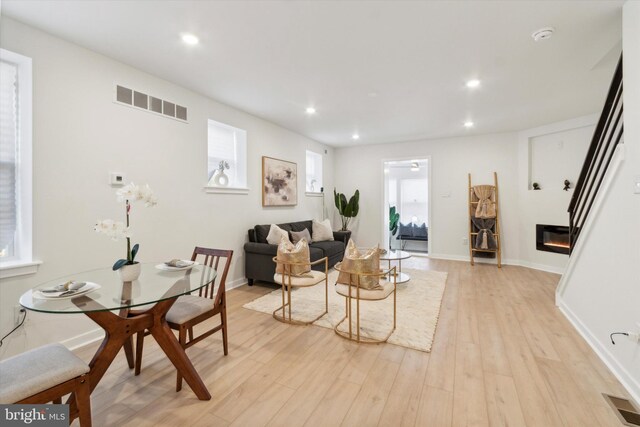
116 178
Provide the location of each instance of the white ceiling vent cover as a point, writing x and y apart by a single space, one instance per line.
142 101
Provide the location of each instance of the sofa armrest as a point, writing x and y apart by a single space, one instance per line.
261 248
342 236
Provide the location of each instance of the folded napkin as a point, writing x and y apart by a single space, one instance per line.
178 263
68 288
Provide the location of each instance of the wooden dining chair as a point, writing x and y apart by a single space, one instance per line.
44 375
190 310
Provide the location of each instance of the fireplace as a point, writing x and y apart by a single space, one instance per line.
552 238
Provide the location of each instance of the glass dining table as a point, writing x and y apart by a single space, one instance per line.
123 309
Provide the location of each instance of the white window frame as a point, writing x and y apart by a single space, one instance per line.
22 262
319 161
241 156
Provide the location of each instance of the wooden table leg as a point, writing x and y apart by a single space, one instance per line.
119 331
171 347
128 351
128 344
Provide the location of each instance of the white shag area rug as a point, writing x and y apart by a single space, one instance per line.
418 308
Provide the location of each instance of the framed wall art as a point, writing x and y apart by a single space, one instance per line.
279 182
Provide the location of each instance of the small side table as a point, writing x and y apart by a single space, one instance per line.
397 255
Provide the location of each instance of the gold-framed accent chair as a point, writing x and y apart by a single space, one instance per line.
354 291
288 280
190 310
44 375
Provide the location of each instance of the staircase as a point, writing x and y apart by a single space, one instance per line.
606 137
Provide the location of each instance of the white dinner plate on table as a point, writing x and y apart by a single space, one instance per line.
88 287
165 267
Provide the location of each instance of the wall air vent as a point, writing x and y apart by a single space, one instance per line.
142 101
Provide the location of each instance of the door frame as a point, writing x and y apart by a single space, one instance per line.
385 208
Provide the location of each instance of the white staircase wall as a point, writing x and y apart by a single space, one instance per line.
600 292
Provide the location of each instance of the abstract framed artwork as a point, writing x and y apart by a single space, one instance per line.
279 182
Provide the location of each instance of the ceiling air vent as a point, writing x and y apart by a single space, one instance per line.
143 101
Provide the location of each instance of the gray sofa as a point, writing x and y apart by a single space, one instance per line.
258 254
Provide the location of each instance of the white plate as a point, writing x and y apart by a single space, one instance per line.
165 267
89 287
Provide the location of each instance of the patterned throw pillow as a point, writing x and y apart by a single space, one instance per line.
276 234
299 253
296 236
355 261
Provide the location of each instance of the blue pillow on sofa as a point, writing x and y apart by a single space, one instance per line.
420 231
405 230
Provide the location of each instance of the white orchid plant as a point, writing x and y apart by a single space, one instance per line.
117 230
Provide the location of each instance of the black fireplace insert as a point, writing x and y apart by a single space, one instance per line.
552 238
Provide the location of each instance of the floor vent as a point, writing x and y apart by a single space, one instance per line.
628 414
142 101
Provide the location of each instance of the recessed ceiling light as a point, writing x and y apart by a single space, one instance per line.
355 136
468 124
471 84
543 33
190 39
310 110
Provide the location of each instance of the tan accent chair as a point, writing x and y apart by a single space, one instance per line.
354 291
190 310
288 281
44 375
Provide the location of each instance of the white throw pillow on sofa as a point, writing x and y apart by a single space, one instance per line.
276 234
321 231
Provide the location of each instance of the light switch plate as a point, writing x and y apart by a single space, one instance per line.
636 184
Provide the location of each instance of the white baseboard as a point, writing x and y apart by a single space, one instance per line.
508 261
83 339
236 283
619 371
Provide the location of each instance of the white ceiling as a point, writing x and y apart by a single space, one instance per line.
389 70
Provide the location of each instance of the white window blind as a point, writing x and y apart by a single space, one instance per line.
227 144
313 172
9 145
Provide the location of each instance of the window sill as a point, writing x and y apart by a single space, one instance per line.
226 190
18 268
313 194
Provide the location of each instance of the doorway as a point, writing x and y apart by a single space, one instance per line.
406 188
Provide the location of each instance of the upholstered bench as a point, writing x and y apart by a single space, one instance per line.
44 375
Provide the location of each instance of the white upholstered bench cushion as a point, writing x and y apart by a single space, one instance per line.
307 279
37 370
188 307
368 294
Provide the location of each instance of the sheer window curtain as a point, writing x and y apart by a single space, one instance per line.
9 146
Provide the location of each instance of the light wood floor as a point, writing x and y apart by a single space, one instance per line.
503 356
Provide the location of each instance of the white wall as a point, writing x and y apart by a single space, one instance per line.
79 135
549 155
450 161
600 293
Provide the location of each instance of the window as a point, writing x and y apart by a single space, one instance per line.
15 161
227 156
314 172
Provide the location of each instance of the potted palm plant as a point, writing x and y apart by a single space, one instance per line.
394 220
347 210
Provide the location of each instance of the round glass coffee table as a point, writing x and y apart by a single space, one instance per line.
397 255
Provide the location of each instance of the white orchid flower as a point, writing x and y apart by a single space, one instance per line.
116 230
127 192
